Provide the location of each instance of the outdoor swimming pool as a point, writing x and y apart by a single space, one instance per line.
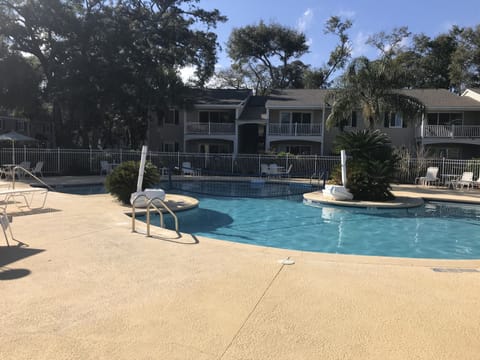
435 230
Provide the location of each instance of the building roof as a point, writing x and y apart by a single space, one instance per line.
475 90
231 97
292 98
255 108
434 99
442 99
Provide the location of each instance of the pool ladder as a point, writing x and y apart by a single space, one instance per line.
150 205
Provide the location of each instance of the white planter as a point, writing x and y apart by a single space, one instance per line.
141 201
336 192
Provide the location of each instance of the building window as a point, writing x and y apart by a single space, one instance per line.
170 147
285 118
350 122
172 117
295 117
353 120
20 125
444 118
224 116
393 120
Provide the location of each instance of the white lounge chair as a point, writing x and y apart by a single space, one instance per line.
23 165
286 173
27 194
187 169
105 167
476 183
465 180
264 171
429 178
5 225
37 170
273 170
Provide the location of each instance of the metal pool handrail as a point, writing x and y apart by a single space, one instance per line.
30 174
149 205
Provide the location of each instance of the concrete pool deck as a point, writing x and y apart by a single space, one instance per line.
86 287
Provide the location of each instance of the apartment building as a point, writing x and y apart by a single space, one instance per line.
293 121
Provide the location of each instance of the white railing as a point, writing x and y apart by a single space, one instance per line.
451 131
87 162
295 129
210 128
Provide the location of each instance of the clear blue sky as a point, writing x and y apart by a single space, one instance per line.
431 17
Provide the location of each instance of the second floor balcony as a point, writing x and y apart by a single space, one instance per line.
210 128
450 131
295 129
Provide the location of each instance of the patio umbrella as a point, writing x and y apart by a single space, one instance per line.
14 136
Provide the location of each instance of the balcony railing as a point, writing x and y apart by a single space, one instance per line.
295 129
196 128
450 131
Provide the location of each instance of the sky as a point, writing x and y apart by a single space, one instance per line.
431 17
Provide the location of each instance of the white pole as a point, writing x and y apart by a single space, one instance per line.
343 160
141 170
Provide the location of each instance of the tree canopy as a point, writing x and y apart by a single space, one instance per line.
269 56
371 87
106 65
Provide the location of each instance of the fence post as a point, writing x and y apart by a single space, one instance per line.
121 156
24 152
58 161
315 165
232 162
286 160
91 158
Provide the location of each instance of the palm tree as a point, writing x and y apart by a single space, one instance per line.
372 87
371 164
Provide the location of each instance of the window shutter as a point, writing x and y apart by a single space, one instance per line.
177 117
386 121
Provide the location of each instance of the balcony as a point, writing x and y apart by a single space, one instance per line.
450 131
295 129
196 128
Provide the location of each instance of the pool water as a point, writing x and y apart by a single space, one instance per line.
435 230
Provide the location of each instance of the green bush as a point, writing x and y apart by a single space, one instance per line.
122 181
371 164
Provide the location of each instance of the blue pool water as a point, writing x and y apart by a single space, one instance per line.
436 230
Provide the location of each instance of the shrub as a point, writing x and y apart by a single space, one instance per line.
122 181
371 166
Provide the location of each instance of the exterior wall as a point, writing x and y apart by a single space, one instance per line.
400 137
161 134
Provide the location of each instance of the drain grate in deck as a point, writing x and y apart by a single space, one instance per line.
454 270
